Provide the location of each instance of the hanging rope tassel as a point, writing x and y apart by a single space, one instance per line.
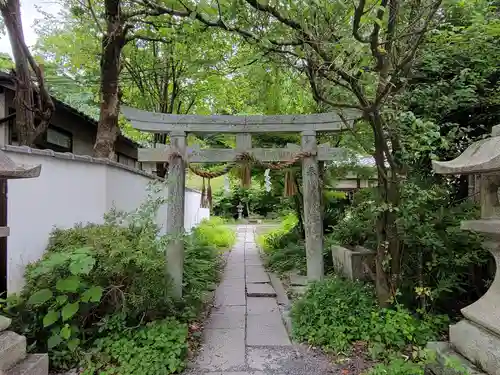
290 186
203 203
246 175
209 195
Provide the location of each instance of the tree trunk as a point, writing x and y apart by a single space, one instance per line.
387 261
23 101
113 42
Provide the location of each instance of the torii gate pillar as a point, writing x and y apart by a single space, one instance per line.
175 211
313 225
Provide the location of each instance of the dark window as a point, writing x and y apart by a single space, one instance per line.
123 159
56 139
12 127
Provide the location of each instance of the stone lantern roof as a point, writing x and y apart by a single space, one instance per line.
10 170
481 157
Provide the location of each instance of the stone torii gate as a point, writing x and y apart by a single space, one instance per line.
177 126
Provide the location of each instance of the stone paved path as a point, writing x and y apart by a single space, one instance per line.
245 334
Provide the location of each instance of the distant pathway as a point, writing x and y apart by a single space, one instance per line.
245 334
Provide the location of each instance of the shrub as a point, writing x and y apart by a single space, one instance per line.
285 249
336 312
438 256
87 273
279 237
333 313
202 266
290 258
214 232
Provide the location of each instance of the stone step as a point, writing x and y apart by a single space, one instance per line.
260 290
12 349
34 364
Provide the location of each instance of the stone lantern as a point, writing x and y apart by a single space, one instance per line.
10 170
239 207
475 340
13 356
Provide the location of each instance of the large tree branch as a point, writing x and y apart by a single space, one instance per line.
278 15
89 6
410 55
378 53
318 96
359 11
148 38
158 10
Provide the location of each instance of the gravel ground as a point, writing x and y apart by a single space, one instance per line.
294 360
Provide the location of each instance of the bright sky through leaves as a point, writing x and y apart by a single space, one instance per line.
29 14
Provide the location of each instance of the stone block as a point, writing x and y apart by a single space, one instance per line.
350 263
4 323
298 280
297 291
260 290
266 330
223 349
478 345
445 356
34 364
281 294
12 349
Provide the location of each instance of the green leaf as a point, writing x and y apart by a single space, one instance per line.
69 310
73 344
66 332
50 318
93 294
40 297
81 264
69 284
53 341
61 300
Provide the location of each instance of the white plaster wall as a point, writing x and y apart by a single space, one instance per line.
193 213
66 193
126 191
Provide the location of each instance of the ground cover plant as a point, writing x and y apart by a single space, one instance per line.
336 314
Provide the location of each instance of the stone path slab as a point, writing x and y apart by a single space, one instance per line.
257 305
223 349
230 296
245 335
227 320
266 330
256 274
